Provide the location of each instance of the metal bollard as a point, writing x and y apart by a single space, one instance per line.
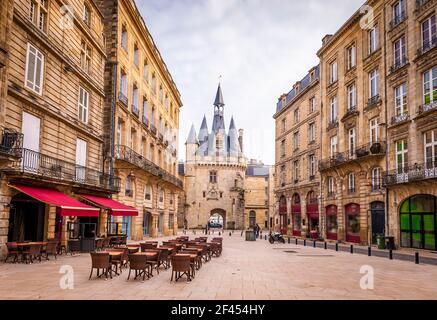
390 254
417 258
352 248
304 242
265 237
296 241
326 246
314 243
220 233
369 251
289 240
336 246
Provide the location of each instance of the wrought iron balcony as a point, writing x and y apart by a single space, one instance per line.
145 121
123 99
428 107
350 112
11 143
416 172
126 154
332 124
135 111
373 100
421 3
400 118
427 46
340 158
398 19
399 63
47 167
161 137
153 129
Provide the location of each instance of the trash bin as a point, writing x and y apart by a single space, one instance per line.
390 243
250 235
380 241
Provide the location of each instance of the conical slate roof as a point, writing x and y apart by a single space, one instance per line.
219 102
192 136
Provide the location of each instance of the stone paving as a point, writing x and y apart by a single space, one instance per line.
246 270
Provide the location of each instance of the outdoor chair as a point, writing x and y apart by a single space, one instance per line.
99 244
51 248
164 259
117 261
217 240
148 246
181 265
140 265
12 251
33 251
215 249
198 260
100 260
154 263
106 243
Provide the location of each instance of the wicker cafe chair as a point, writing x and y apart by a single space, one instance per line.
155 262
148 246
181 266
215 249
51 248
99 244
100 260
12 251
140 265
33 251
117 261
164 259
198 260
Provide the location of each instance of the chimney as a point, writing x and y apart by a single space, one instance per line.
240 139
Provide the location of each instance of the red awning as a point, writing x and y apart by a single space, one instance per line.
117 208
67 206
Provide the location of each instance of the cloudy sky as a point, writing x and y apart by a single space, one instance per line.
259 47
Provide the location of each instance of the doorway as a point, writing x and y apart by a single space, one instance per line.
377 210
26 219
127 223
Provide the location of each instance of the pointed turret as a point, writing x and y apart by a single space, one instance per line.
203 133
233 147
219 102
192 136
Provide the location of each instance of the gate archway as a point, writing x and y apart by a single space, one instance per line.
218 215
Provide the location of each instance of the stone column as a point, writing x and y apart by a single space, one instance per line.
304 216
154 225
364 209
165 229
5 199
50 222
289 226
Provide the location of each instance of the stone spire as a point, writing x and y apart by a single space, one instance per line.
203 133
218 122
233 145
192 136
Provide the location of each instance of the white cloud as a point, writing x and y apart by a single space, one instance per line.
260 47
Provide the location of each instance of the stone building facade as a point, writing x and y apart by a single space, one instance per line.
353 142
142 108
412 123
258 194
378 129
215 170
52 94
297 144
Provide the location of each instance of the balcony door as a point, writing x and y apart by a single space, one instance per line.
31 131
81 151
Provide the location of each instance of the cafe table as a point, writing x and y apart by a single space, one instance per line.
114 255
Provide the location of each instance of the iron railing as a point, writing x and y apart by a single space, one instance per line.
427 46
123 99
11 143
420 4
416 172
373 100
427 107
400 118
332 124
135 111
153 129
36 163
125 153
398 63
350 111
339 158
145 121
397 20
